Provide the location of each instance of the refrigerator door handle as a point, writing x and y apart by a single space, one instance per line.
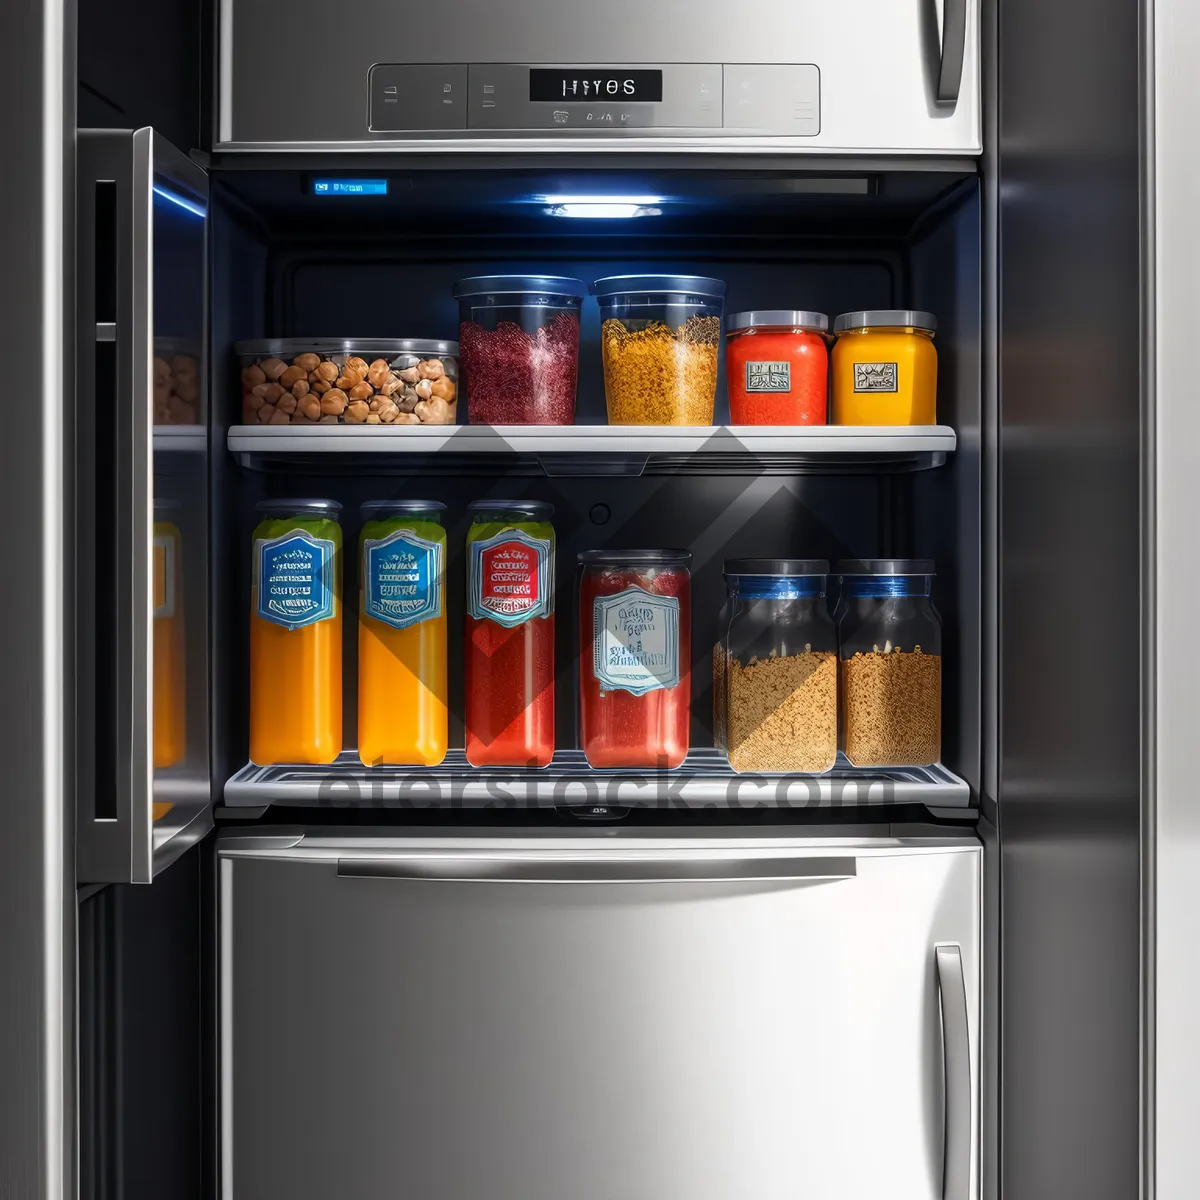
953 51
545 868
956 1055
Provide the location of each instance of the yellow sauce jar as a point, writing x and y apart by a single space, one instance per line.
884 368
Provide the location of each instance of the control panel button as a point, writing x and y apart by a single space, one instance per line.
773 98
411 97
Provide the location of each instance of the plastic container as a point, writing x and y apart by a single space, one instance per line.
402 715
351 381
777 367
775 669
885 368
170 680
890 637
635 686
520 347
296 633
509 705
178 387
660 339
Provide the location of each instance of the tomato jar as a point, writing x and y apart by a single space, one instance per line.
777 367
519 339
402 717
885 368
296 633
509 710
635 686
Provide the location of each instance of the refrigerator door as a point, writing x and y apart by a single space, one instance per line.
644 1018
142 474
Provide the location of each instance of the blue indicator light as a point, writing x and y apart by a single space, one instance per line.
192 206
350 187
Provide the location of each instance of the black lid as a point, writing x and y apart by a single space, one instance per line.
373 507
541 510
885 566
296 508
637 558
787 568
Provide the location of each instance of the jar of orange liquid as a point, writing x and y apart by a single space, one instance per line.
884 368
402 634
170 713
296 633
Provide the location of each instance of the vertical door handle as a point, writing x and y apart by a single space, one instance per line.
954 50
956 1055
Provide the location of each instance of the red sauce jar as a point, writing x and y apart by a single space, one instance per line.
509 710
777 367
635 686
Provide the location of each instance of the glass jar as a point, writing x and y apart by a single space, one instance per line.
890 637
520 347
402 717
349 381
775 669
885 368
510 634
296 633
635 687
777 367
660 338
169 671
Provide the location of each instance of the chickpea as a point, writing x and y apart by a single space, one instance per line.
444 389
327 371
292 375
361 391
300 388
379 372
333 403
272 368
252 377
356 366
431 368
307 362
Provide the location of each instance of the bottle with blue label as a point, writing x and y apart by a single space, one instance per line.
402 714
296 633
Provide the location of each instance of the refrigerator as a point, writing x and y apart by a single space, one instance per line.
235 980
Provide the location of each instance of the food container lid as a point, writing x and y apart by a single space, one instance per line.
541 510
770 317
637 558
372 507
692 285
889 318
885 566
787 568
295 508
375 347
543 285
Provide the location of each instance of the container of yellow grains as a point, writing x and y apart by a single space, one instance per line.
660 336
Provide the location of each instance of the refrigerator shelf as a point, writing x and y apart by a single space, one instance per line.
181 439
704 781
593 449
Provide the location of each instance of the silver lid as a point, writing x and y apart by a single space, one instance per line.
688 285
886 318
520 285
786 318
374 347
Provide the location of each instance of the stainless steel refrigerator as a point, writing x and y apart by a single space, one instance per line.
226 980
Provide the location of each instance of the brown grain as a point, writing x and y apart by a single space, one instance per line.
661 376
892 708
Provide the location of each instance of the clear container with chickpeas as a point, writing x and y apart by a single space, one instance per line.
331 381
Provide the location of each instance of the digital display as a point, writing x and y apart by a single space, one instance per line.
350 187
595 87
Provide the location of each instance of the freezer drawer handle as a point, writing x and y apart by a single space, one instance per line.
954 50
956 1054
527 869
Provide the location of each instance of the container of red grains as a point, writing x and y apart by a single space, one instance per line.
519 348
635 630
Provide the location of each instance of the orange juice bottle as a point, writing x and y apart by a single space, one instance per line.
168 648
296 633
402 716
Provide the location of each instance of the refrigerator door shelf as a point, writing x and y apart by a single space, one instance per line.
704 781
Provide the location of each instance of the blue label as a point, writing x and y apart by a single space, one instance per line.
635 641
295 579
402 579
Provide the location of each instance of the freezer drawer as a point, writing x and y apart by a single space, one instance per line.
536 1020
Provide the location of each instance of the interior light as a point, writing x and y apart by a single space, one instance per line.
175 198
602 206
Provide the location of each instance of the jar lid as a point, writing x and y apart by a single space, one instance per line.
692 285
788 568
371 507
885 566
295 508
363 347
788 318
637 558
541 510
538 285
888 318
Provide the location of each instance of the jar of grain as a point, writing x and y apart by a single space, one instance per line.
660 337
890 638
775 667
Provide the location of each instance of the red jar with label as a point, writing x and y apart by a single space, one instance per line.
509 709
777 367
635 636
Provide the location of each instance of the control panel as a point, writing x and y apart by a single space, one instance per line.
779 99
